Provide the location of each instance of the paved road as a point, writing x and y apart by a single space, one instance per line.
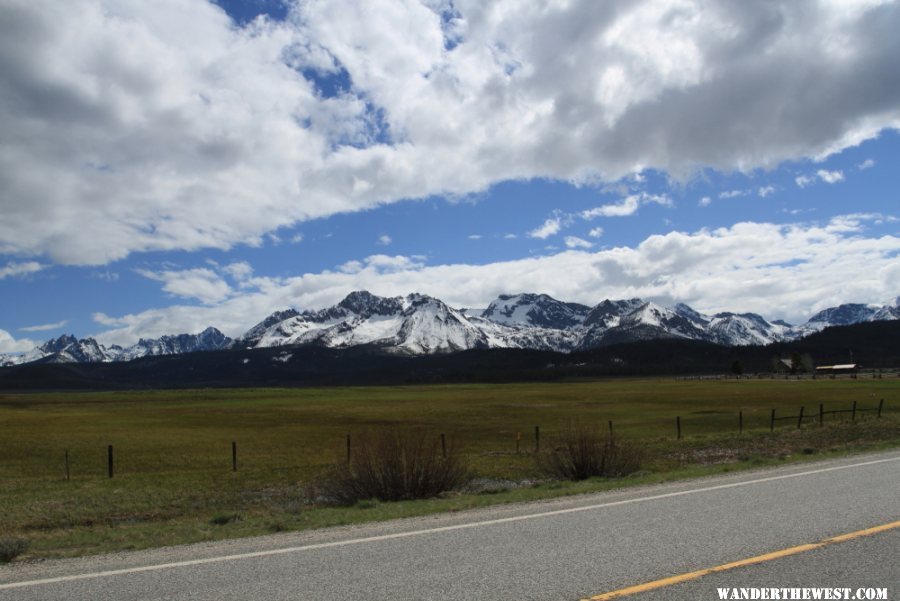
865 563
560 550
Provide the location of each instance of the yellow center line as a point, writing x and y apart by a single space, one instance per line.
649 586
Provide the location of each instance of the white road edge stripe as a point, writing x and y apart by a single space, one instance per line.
383 537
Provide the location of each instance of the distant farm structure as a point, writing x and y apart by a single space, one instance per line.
833 370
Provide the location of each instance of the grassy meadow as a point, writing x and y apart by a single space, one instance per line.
174 482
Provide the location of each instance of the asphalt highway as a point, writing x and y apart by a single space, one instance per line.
866 563
564 549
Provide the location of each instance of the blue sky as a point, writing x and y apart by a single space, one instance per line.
202 164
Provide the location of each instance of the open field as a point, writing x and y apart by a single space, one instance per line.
173 466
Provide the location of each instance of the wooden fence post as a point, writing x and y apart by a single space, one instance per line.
348 449
853 412
821 414
109 460
518 441
233 456
740 422
443 446
67 465
800 418
880 406
772 422
678 426
610 429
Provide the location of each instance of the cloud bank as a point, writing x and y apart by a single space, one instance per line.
133 126
9 344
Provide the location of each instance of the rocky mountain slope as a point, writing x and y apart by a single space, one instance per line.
418 324
68 349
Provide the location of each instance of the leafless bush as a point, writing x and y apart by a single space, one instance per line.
583 451
10 548
395 465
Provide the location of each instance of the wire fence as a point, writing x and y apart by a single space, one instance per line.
519 442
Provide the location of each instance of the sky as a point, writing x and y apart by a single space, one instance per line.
171 165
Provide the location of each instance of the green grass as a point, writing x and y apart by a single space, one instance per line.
174 483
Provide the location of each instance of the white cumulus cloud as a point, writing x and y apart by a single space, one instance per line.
201 284
13 269
9 344
830 177
376 264
45 327
550 227
804 181
239 270
627 206
148 126
576 242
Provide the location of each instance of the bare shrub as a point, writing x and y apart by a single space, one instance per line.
10 548
582 452
220 519
395 465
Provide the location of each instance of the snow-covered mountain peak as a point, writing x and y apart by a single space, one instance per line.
211 336
366 304
57 345
745 328
650 314
847 314
673 322
69 349
253 336
538 310
691 313
608 312
885 313
843 314
417 299
431 326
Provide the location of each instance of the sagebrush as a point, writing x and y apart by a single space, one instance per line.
582 452
395 465
10 548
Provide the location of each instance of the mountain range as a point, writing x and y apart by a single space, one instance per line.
418 324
